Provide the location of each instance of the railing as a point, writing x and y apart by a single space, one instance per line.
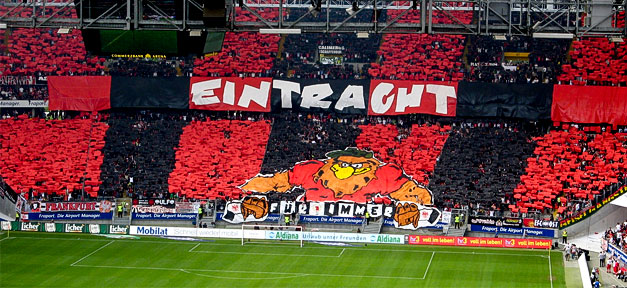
606 196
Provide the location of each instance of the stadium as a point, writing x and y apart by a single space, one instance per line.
313 143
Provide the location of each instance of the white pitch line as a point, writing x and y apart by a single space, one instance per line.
244 278
92 253
550 269
6 238
425 276
263 254
343 249
250 272
192 249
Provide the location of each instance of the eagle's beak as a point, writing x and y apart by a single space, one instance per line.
342 173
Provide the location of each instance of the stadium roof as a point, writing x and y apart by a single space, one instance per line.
504 17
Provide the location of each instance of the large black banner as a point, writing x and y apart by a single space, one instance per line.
312 95
138 92
525 101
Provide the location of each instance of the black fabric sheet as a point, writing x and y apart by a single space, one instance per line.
138 92
524 101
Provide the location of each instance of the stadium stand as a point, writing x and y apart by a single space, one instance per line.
45 51
571 164
421 56
415 148
23 92
52 157
478 163
146 67
618 20
540 60
614 265
33 51
596 61
215 156
243 54
139 153
301 58
464 162
299 137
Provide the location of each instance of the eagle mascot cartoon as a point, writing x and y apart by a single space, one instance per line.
346 175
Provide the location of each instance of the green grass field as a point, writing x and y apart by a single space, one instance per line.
30 259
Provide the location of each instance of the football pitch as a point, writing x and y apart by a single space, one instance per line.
31 259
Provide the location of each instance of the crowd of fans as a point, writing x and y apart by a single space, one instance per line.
537 61
615 236
302 58
23 92
475 166
430 57
146 67
476 160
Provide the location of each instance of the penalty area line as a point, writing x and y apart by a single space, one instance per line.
92 253
264 254
427 270
192 249
187 270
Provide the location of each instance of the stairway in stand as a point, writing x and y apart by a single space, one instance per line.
456 232
374 227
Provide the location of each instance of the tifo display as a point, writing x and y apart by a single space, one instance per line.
312 143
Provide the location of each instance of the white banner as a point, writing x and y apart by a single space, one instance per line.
51 227
5 225
94 228
446 217
74 228
255 234
268 234
23 103
27 226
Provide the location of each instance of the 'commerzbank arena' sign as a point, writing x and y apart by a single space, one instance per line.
372 97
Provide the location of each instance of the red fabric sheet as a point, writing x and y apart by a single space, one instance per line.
589 104
84 93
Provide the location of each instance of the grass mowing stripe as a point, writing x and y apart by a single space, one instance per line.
92 253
